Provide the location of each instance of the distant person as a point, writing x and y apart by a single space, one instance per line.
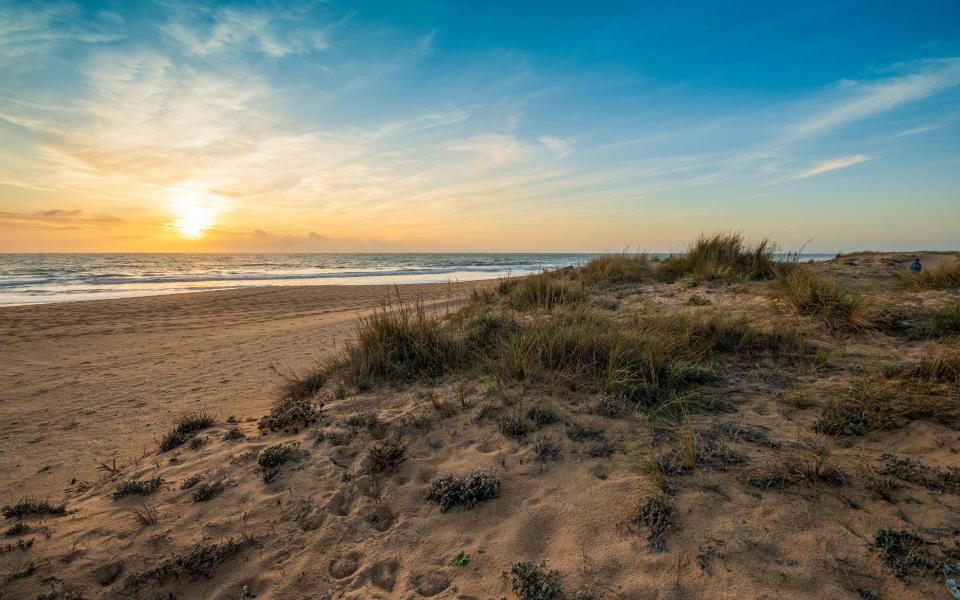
915 266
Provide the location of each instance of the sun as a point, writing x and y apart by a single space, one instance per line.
193 220
195 212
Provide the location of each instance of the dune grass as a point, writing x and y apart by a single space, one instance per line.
546 291
838 308
724 256
878 400
612 269
400 342
941 278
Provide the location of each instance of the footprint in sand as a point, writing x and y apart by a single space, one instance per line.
341 504
383 573
379 516
345 565
430 583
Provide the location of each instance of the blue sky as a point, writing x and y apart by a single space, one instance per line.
462 126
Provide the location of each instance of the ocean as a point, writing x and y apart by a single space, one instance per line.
43 278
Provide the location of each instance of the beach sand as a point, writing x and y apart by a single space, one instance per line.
86 382
744 496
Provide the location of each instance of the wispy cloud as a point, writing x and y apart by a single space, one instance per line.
32 30
492 149
559 146
276 33
825 166
57 219
864 99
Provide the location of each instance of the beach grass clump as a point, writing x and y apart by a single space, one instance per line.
877 401
187 427
136 487
31 507
838 308
942 278
531 581
546 291
723 256
941 363
946 321
304 388
603 353
614 269
450 491
401 342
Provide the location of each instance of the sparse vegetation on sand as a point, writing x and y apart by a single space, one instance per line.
655 514
716 412
137 487
535 582
200 561
186 429
29 507
450 491
826 299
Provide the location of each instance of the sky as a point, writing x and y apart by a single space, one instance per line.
188 126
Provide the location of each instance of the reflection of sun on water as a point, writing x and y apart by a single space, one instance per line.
195 212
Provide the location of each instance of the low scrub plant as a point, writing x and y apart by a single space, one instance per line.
187 427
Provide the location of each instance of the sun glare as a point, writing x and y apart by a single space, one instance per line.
195 213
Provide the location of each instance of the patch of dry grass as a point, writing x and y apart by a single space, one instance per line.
612 269
545 291
838 308
944 277
724 256
878 401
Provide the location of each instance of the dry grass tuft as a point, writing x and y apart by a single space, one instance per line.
838 308
724 256
614 269
545 291
878 401
400 342
945 277
941 363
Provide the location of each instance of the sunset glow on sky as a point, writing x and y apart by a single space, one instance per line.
453 126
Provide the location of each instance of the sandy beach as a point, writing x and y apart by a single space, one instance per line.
629 429
86 382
